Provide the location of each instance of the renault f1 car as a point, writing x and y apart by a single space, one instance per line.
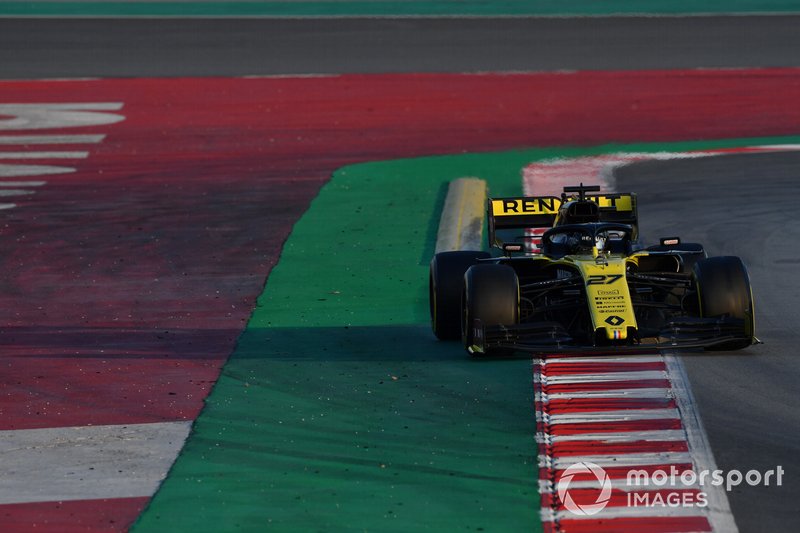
586 283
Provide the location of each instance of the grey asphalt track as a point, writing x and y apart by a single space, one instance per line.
743 204
135 47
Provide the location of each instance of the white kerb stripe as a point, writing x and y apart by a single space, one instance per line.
622 415
547 487
548 515
605 359
629 436
651 393
602 377
623 459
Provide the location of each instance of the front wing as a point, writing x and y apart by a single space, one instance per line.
550 337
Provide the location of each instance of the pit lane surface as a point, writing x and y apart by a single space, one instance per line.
745 401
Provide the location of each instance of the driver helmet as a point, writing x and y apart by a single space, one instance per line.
580 242
600 241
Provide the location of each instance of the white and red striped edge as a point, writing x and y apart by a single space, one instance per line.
550 176
619 412
622 412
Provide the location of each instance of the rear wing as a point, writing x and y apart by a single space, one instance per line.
540 212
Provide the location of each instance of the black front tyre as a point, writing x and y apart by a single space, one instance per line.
445 287
491 295
723 290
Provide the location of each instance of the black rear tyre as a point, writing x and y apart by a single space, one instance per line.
491 294
723 290
445 287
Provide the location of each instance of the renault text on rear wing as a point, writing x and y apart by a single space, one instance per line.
532 212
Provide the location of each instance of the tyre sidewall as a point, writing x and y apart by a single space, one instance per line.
723 289
446 282
491 295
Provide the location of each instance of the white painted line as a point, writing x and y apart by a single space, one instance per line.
787 147
623 415
47 79
652 393
14 192
62 115
62 106
719 509
90 462
7 206
14 171
654 435
44 155
617 460
22 183
50 139
604 377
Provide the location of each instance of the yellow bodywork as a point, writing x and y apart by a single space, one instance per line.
607 293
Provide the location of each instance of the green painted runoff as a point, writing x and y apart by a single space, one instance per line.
338 410
317 8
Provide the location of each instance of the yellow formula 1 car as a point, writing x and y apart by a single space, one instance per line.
586 284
